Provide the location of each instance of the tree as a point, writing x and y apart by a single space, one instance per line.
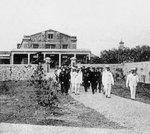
136 54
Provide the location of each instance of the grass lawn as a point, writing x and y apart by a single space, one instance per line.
19 106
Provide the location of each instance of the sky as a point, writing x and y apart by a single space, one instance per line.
98 24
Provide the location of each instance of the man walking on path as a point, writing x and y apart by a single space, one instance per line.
85 79
99 79
93 80
131 82
78 81
108 81
73 74
64 78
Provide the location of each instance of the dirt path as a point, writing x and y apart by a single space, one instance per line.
131 114
7 128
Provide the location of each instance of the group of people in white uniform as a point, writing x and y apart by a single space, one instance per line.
77 79
132 80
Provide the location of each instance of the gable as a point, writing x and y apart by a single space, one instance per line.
48 35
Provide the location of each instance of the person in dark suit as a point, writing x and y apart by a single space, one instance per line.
99 79
85 79
88 76
64 78
61 80
93 80
67 80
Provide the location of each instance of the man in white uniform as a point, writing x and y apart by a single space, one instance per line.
73 74
107 81
78 81
131 82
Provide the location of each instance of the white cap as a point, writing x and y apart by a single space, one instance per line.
133 68
106 66
73 58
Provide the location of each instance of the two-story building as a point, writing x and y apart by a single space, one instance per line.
50 43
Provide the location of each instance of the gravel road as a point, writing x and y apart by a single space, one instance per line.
129 113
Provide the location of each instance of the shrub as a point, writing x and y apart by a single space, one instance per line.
45 90
4 88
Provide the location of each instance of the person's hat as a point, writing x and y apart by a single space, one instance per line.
106 66
133 68
73 58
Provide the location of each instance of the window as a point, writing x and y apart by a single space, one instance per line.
4 61
54 60
52 46
47 46
65 46
50 36
36 58
20 59
35 45
73 46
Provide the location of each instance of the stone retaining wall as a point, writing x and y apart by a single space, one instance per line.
24 72
112 66
143 69
16 72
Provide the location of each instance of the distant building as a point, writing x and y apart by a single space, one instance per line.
58 46
49 39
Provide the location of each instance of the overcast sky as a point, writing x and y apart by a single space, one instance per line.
98 24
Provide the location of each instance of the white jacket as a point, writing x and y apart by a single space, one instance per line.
78 78
73 75
132 80
107 78
58 72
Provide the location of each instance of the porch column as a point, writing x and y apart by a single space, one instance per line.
28 59
86 58
59 60
75 55
89 56
12 58
44 56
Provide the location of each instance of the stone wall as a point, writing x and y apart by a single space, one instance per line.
16 72
143 69
24 72
113 67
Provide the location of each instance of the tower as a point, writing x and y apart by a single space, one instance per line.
121 45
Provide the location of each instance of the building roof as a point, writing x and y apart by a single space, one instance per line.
4 53
47 31
51 50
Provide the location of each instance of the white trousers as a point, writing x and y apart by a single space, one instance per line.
132 91
107 89
77 88
72 87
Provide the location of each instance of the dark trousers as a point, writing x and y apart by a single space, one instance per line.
86 85
100 86
65 87
62 88
94 87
